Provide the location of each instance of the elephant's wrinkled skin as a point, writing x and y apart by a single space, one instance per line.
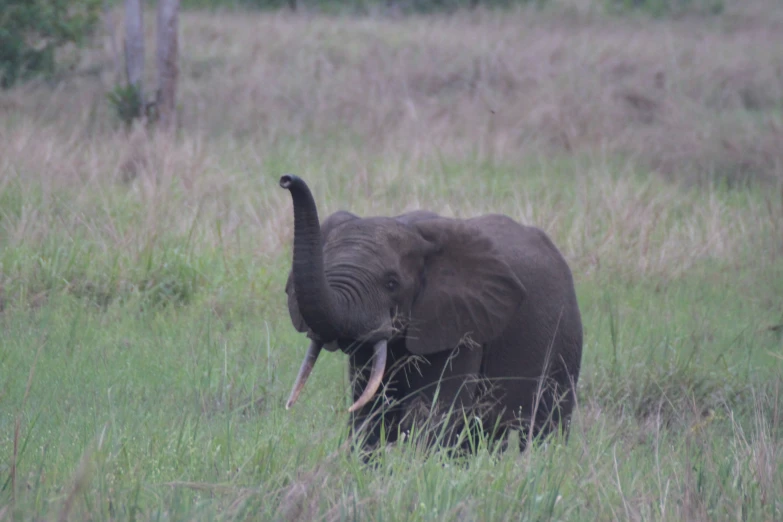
422 303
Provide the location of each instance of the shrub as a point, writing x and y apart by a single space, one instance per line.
31 31
127 102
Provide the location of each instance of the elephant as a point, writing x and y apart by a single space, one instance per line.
478 317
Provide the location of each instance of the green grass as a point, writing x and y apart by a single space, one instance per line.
166 402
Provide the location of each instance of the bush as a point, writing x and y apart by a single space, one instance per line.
127 102
31 31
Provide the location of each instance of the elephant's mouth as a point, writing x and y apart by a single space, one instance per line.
350 346
332 346
344 345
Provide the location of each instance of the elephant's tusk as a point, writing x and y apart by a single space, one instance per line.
376 376
304 372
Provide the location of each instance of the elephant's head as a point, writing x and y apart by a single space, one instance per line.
351 277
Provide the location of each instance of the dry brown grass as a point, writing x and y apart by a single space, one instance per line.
687 98
376 112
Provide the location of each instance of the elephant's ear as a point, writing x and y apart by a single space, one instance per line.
469 291
327 226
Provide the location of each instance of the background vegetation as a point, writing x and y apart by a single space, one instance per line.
31 33
146 350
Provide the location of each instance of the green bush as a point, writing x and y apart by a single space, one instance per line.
127 102
31 31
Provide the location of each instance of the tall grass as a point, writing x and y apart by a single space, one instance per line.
146 349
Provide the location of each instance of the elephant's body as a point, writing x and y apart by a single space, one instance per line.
480 313
503 375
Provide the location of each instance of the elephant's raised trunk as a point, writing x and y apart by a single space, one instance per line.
315 299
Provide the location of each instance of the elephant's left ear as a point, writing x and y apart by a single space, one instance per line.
469 289
293 306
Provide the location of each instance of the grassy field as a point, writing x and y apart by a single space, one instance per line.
146 349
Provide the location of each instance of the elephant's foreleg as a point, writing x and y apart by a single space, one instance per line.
378 420
443 393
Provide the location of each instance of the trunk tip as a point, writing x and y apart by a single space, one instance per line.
287 180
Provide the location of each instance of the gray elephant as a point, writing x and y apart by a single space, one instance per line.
440 314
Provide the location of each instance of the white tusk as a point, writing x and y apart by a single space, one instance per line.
304 372
376 376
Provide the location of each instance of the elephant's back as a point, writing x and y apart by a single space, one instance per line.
523 247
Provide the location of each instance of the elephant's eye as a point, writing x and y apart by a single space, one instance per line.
391 284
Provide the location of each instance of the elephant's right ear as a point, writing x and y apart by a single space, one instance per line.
469 290
328 225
